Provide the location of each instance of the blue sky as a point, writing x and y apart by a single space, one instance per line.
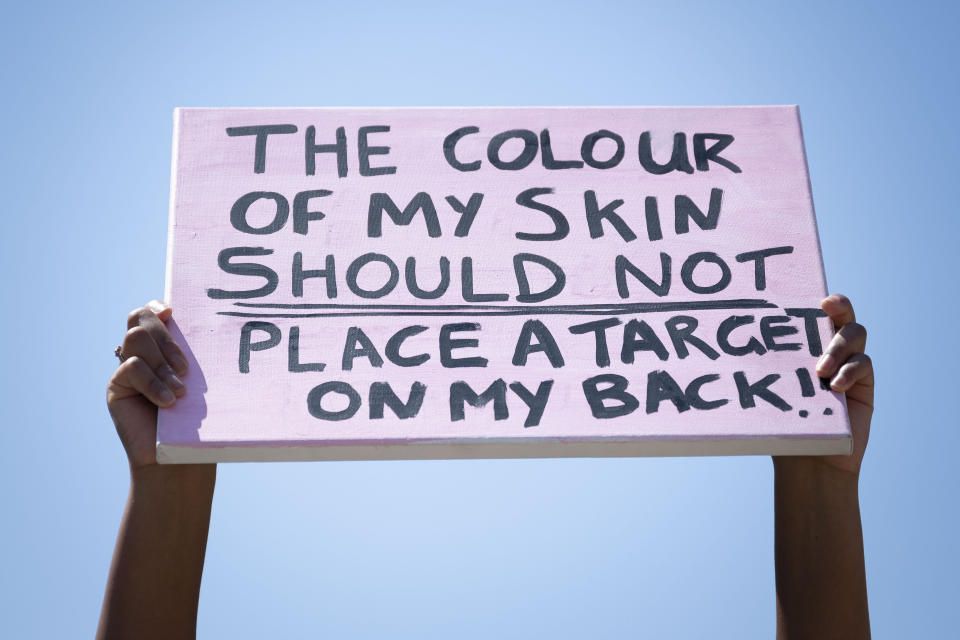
672 548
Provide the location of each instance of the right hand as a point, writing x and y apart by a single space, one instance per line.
148 377
850 371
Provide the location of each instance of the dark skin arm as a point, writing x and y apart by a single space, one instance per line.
821 580
154 582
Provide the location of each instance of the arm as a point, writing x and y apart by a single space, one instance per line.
821 581
154 582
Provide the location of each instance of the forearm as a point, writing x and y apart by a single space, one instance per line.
821 580
154 582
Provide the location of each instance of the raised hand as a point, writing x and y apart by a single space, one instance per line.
147 378
154 582
850 371
821 580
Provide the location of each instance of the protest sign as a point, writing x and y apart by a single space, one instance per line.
495 282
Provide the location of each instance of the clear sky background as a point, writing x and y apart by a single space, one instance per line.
658 548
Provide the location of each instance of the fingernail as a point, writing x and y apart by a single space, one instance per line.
826 363
167 397
179 364
839 383
156 306
176 383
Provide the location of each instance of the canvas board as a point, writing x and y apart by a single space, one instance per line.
380 283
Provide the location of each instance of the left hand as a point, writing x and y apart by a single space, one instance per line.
148 377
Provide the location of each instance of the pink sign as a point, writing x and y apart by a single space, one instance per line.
529 282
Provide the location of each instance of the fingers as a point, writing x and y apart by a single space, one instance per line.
850 340
857 370
139 343
134 376
839 308
151 318
152 359
844 361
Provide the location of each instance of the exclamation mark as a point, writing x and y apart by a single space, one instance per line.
806 383
807 390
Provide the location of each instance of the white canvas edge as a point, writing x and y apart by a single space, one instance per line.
171 215
491 107
526 448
